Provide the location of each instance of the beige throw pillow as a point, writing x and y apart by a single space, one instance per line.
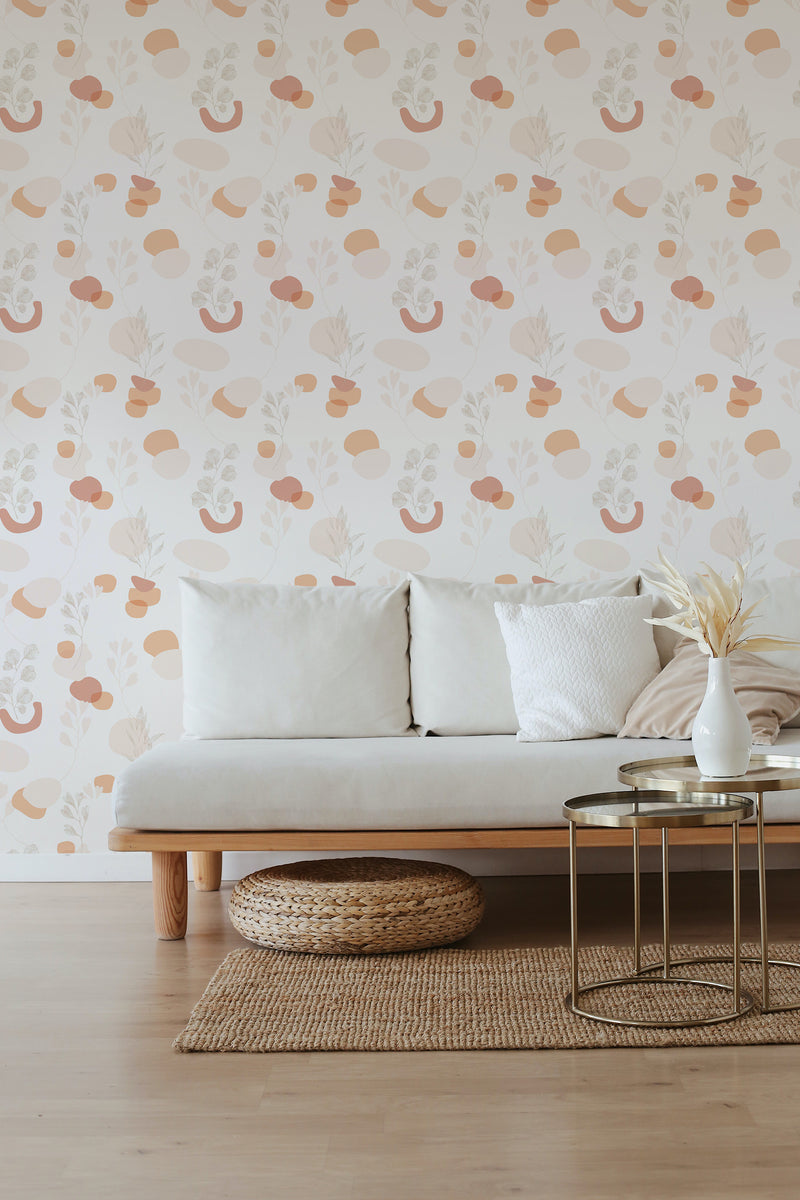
667 707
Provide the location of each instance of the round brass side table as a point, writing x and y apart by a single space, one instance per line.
662 810
766 773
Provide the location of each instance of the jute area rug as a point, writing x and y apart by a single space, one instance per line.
273 1000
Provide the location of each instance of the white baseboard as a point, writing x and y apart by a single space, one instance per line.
82 868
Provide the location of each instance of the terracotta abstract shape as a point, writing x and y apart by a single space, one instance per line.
15 126
33 321
415 326
416 126
616 126
615 526
689 489
20 802
288 88
689 88
12 726
88 88
360 440
88 489
215 126
338 581
423 526
360 240
744 395
342 396
762 440
215 326
288 489
506 383
761 240
22 526
143 596
542 396
86 690
489 489
89 288
611 323
743 195
690 288
489 288
223 526
542 196
289 288
342 195
489 88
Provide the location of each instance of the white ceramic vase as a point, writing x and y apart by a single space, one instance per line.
721 734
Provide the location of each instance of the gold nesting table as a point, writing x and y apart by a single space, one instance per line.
679 775
664 810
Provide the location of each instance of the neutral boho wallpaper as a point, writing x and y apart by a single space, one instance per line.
326 292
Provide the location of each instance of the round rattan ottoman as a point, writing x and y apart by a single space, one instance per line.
356 906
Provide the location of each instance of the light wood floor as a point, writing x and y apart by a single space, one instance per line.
94 1105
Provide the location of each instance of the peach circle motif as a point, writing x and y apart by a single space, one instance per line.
402 555
603 555
402 354
202 555
202 153
603 354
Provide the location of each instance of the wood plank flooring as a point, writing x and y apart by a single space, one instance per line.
94 1105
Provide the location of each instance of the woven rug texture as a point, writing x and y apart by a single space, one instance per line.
451 999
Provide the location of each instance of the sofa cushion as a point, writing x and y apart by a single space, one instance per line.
770 695
779 615
577 668
460 680
384 783
269 661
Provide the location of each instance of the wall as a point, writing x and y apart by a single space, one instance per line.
327 292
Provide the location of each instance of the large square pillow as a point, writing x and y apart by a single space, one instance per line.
459 670
270 661
577 668
667 707
778 613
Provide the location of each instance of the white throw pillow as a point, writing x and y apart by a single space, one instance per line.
577 668
270 661
459 669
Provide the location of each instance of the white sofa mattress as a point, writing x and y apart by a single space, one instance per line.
384 783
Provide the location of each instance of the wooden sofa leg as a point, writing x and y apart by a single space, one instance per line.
207 870
170 893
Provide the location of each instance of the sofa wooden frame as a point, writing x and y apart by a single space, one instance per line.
169 849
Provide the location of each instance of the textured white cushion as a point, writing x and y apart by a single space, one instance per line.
384 783
459 670
268 661
577 668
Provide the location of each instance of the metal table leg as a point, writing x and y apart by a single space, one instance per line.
665 897
742 1001
637 907
762 903
737 918
573 914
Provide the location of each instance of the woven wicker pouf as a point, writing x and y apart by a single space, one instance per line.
356 906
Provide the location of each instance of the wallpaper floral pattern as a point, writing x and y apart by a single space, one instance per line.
325 292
